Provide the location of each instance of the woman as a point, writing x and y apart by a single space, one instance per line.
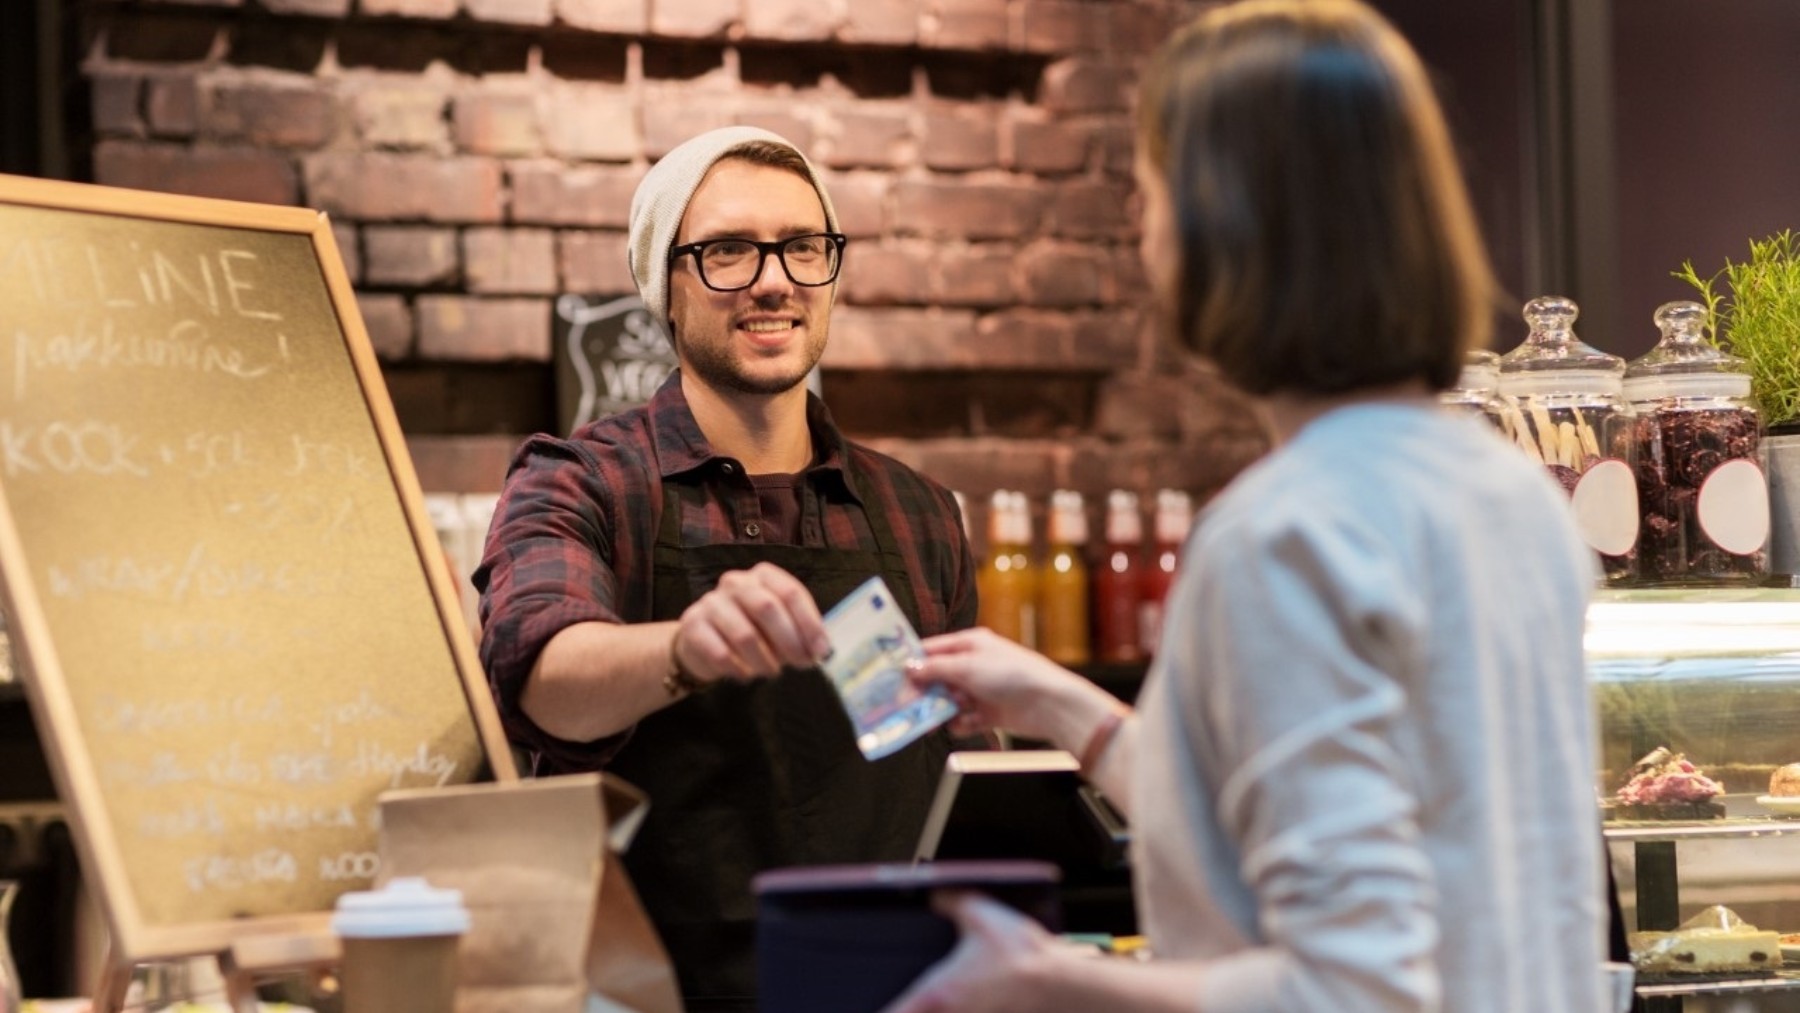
1359 774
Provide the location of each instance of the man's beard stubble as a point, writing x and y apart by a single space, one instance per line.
713 363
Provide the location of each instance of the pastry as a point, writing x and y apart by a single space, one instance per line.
1785 781
1715 940
1665 786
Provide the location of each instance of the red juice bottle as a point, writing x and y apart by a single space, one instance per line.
1118 582
1174 515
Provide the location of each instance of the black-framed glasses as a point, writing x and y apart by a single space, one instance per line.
731 265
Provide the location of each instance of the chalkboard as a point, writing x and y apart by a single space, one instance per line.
610 355
232 618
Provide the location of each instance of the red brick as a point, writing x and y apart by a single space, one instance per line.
410 8
401 115
415 256
626 17
378 186
1046 148
1081 85
976 467
1094 211
790 125
596 123
960 141
389 322
510 261
898 339
859 139
349 246
692 18
496 123
461 463
1118 148
1139 28
670 121
1139 406
1064 275
116 104
462 329
173 105
860 200
509 12
262 177
967 210
594 263
964 24
1109 339
790 20
1130 283
888 274
1058 26
293 116
1023 339
309 8
547 193
976 276
883 22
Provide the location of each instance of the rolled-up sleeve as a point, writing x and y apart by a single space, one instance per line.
550 561
1313 644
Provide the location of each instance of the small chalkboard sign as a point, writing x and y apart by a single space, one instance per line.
610 355
232 618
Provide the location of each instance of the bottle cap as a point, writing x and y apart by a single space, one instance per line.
407 906
1174 515
1068 518
1124 525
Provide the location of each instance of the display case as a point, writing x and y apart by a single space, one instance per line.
1715 675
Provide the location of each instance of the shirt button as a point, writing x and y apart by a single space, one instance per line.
728 468
752 529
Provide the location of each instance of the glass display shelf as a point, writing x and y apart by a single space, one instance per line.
1779 981
1744 817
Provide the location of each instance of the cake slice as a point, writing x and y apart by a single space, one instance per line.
1665 785
1712 942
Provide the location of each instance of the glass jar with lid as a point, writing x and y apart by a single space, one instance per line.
1563 404
1477 387
1701 487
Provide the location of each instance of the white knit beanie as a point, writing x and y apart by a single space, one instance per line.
662 199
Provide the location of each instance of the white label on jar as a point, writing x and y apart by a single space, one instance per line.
1606 508
1734 507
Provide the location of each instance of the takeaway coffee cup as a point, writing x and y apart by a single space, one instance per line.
400 947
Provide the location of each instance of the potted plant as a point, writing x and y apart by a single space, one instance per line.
1758 319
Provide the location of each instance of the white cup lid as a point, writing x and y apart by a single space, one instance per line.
407 906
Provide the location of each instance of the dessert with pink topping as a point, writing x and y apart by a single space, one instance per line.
1665 785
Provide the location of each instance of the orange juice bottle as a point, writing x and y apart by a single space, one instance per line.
1007 583
1063 584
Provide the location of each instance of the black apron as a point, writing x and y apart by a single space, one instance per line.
750 776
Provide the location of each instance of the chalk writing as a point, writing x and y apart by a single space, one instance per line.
63 272
192 819
378 758
117 716
349 865
69 448
233 872
328 457
198 636
292 817
194 575
187 346
363 709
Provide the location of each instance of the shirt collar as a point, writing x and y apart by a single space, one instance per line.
681 447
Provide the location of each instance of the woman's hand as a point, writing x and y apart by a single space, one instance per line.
991 968
999 684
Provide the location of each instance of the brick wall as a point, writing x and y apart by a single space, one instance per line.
477 157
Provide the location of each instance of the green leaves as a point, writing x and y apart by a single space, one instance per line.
1760 320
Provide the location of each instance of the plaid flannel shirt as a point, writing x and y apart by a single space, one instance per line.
572 536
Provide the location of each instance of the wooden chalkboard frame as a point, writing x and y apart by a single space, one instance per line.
133 939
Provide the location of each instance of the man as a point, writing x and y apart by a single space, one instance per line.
652 586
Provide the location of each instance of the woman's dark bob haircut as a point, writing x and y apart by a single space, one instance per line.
1326 240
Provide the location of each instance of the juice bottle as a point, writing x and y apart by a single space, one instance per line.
1174 514
1118 583
1063 584
1007 583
